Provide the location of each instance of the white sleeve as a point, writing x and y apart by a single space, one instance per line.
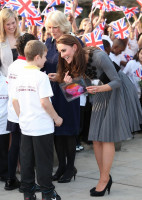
44 87
127 68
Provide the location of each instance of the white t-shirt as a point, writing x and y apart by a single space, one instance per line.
127 52
115 58
13 71
133 45
130 50
31 86
130 70
3 104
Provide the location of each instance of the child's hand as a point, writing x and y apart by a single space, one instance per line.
67 78
70 18
58 121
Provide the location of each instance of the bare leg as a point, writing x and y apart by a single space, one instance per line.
108 152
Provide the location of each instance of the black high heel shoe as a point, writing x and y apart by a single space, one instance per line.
58 174
66 178
94 188
95 193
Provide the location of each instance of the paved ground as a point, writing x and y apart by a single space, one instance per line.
126 173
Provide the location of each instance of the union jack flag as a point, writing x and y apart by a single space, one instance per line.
24 7
139 72
139 2
78 11
123 8
48 1
110 6
101 26
94 3
68 9
98 4
35 21
128 58
2 2
94 39
8 5
129 12
120 28
55 2
46 11
106 5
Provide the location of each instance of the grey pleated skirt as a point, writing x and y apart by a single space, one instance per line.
115 114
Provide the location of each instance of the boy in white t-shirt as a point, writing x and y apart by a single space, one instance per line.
4 135
31 101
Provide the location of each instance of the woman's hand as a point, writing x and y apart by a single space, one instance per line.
52 76
67 78
92 89
98 88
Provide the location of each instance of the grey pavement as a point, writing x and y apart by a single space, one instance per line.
126 174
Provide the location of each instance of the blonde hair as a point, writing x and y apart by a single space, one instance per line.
34 48
58 19
5 15
84 20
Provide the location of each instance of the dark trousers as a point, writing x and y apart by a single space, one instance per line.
66 149
13 154
4 144
36 153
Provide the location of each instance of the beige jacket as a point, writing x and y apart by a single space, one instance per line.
6 56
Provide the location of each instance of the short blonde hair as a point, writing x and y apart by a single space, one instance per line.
58 19
5 14
84 20
34 48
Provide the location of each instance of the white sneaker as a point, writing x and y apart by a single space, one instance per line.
77 149
81 147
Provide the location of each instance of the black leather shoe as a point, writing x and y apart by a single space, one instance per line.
28 196
51 196
12 184
67 176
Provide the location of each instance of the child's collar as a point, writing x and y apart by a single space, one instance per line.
32 67
21 57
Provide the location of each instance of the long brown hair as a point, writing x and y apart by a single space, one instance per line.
78 65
